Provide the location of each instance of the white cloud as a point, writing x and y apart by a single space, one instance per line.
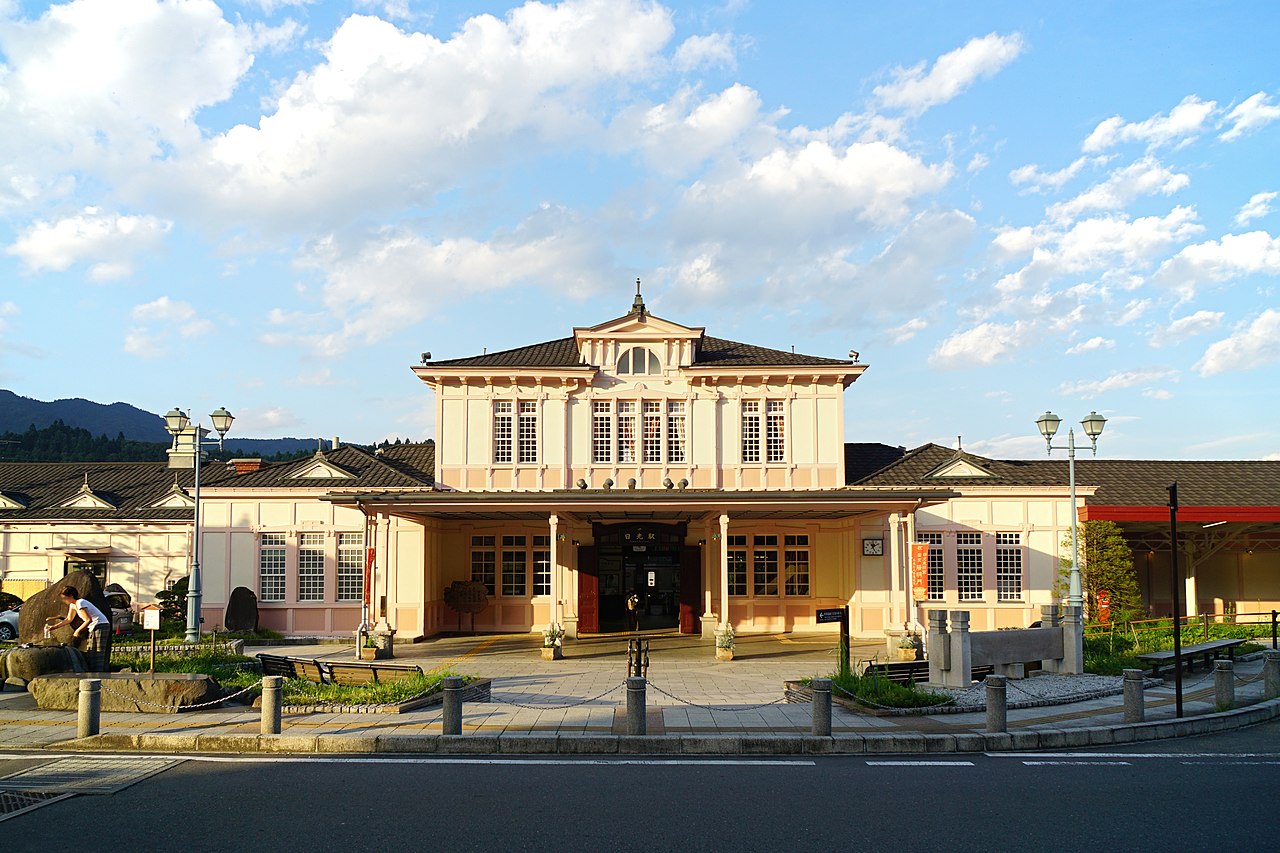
706 52
1158 394
1182 124
1144 177
1092 345
7 309
112 240
1033 179
915 90
1258 206
1256 344
160 321
1250 114
907 331
268 422
1186 327
1216 261
1118 381
1008 447
977 163
687 130
986 343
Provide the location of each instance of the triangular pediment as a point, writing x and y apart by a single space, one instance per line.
7 502
87 498
319 468
175 498
636 326
961 466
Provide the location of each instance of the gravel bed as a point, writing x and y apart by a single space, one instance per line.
1039 691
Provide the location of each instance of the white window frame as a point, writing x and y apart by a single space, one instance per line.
350 563
937 581
273 546
527 432
503 431
1010 567
969 566
311 566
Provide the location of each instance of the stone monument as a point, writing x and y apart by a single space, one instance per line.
38 609
242 610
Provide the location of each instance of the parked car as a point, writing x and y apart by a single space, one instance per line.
9 623
121 608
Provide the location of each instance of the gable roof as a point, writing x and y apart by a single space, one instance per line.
361 468
862 459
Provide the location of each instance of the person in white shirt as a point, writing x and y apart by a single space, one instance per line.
93 624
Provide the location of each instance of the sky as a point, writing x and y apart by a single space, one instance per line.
277 205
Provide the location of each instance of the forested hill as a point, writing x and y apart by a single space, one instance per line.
18 412
59 442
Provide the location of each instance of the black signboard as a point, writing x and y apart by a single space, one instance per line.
834 614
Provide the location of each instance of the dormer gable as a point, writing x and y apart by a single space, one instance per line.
10 502
87 498
961 466
320 468
616 346
175 498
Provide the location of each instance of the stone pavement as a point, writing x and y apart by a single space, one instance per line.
695 704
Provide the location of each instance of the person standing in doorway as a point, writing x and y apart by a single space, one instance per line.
633 610
93 625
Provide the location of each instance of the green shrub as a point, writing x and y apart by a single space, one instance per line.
876 690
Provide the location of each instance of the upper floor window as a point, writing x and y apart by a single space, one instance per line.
515 431
502 430
601 431
764 423
528 447
639 360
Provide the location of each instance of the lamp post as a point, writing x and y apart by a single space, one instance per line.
1093 424
178 424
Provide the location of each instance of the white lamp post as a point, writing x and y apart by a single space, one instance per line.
1093 424
177 423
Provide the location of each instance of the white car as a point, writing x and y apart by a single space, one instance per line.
9 624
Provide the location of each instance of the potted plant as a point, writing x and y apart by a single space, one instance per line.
553 642
908 645
724 643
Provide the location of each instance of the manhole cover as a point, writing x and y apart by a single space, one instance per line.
14 803
86 775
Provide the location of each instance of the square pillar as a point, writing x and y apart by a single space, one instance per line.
938 646
961 672
1050 617
1072 641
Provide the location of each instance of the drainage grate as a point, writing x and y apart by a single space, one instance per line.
86 775
14 803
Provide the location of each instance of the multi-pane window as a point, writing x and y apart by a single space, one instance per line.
514 569
627 432
502 414
969 566
602 431
311 567
541 565
484 562
675 431
271 567
639 360
750 430
737 565
652 431
937 586
796 564
775 431
1009 566
765 565
528 431
350 566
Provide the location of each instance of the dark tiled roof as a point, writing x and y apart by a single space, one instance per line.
131 487
713 352
369 472
862 459
415 460
1120 482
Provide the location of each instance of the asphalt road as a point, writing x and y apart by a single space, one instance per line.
1218 792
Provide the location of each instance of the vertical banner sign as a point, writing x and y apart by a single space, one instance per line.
370 554
920 570
1104 606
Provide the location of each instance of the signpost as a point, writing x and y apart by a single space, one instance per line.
841 615
920 570
151 622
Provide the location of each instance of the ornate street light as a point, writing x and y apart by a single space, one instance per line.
1093 424
178 424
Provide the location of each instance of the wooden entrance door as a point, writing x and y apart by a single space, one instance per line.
588 590
690 590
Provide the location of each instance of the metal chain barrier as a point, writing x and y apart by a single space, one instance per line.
176 708
713 707
498 699
364 708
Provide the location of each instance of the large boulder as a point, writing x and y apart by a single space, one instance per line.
38 608
18 666
242 610
149 693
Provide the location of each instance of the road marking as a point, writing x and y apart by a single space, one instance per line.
1230 763
1081 763
1132 755
339 759
919 763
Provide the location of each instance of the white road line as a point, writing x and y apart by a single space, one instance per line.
338 759
1230 763
919 763
1133 755
1081 763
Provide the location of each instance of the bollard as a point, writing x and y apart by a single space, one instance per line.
271 704
821 706
452 705
1271 674
1224 685
1134 703
635 706
88 721
997 713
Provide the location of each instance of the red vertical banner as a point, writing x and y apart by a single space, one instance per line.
1104 606
920 570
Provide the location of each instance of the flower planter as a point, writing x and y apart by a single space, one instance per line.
724 654
552 652
907 654
367 653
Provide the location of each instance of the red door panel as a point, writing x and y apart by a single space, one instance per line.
690 590
588 590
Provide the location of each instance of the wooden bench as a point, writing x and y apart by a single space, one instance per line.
912 671
361 672
277 665
1210 649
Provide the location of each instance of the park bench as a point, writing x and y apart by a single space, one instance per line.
277 665
361 672
911 671
1210 649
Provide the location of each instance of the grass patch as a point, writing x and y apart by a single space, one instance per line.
212 662
298 691
875 690
1111 653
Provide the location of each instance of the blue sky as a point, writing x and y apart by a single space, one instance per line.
277 205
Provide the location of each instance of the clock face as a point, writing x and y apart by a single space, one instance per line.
872 547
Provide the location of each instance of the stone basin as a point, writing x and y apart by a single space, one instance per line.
130 692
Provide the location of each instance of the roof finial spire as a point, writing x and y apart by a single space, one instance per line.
959 446
637 306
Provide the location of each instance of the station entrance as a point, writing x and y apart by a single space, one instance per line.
639 577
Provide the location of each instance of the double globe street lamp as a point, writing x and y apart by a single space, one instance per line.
1093 424
179 425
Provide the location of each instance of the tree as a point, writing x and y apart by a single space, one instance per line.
173 603
1106 564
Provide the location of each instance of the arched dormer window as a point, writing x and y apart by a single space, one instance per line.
638 360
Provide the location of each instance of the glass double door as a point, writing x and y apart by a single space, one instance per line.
639 589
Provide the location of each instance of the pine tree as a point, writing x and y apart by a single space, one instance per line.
1106 564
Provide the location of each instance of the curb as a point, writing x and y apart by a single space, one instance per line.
708 744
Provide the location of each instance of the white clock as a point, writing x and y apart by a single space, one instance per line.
873 547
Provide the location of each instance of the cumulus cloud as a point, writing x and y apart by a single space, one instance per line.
1258 206
1182 124
1118 381
1186 327
907 331
1250 114
1092 345
1254 344
1144 177
108 241
687 129
1033 179
1216 261
157 322
267 422
712 50
977 163
986 343
916 89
